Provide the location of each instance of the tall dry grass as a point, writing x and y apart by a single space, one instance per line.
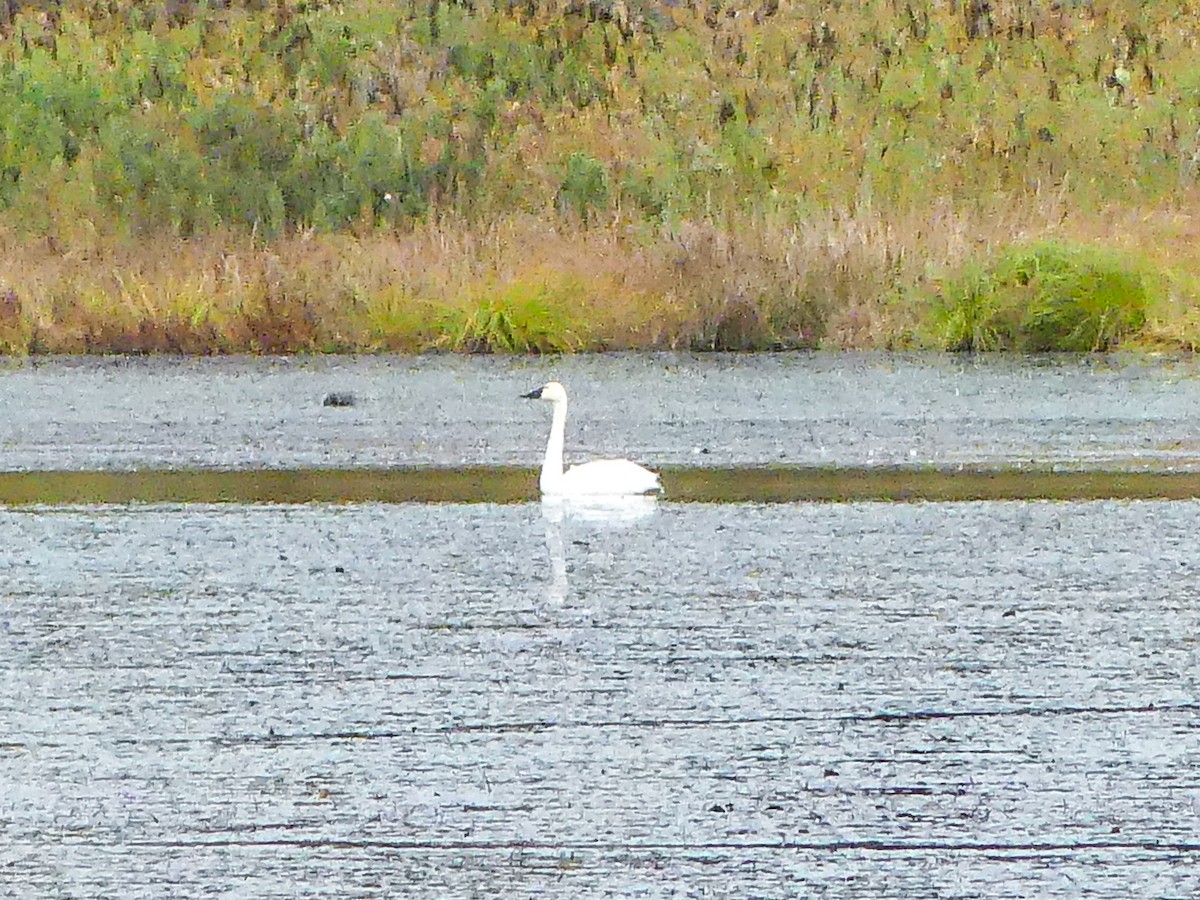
840 279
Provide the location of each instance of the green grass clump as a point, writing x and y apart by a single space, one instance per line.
1045 297
518 317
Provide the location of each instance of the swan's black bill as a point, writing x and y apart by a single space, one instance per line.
535 394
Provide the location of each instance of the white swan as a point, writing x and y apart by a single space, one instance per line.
602 477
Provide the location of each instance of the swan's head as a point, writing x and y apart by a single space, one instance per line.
552 391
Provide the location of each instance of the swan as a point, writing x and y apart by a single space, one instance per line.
601 477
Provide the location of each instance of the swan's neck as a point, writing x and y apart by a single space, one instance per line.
552 465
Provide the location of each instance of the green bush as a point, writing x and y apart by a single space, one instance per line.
520 317
151 180
1044 297
377 172
967 313
584 186
247 146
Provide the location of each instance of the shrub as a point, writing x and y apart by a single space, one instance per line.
584 186
520 317
247 146
967 314
1048 296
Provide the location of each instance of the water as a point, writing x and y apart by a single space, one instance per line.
663 410
357 698
847 700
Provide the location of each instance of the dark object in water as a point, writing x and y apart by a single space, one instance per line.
339 398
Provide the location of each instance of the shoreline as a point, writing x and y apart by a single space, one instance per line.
521 284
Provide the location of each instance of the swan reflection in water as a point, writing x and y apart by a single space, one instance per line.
594 513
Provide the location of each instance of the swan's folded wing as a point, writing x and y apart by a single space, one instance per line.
610 476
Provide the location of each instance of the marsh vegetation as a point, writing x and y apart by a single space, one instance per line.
540 176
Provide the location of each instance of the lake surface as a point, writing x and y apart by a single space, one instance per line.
661 409
840 700
464 699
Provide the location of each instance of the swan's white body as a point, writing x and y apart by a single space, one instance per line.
600 478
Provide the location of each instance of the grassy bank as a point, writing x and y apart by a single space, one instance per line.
493 177
1016 279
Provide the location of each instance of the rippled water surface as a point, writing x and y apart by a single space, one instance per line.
849 700
718 410
443 699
